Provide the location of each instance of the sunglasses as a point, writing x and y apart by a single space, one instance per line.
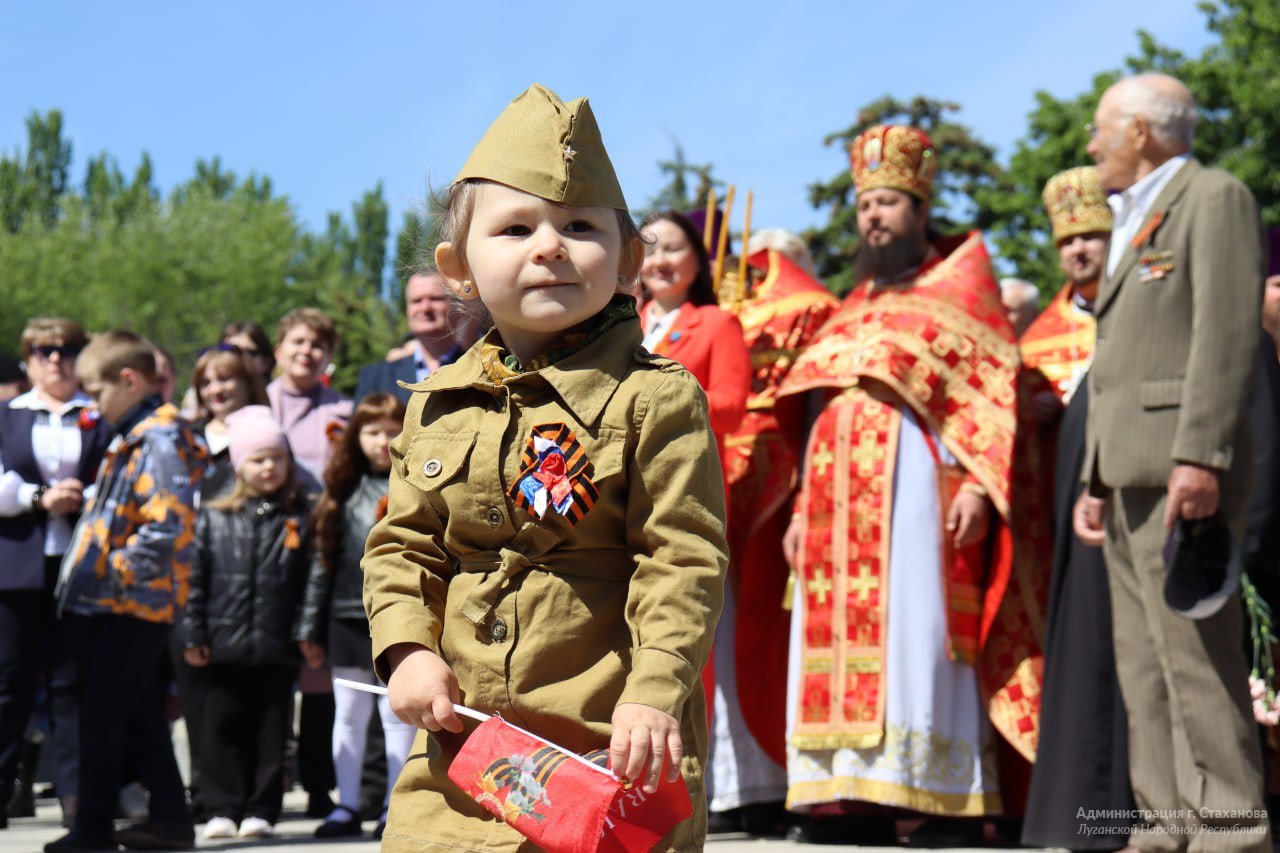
44 352
252 352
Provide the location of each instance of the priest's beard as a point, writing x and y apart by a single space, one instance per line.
892 259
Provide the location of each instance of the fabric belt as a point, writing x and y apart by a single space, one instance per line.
526 551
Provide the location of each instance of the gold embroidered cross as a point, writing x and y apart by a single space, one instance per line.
864 582
822 459
866 453
819 586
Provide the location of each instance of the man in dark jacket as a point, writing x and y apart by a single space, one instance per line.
433 346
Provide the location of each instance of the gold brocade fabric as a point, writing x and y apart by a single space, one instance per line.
1059 344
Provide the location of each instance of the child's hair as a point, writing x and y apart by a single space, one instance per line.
701 291
315 320
290 496
458 205
345 469
43 330
109 353
225 361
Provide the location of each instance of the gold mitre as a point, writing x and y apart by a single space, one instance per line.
896 157
1076 203
545 147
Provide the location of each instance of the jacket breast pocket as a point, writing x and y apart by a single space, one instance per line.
1160 393
436 459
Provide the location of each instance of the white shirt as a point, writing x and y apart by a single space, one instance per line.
56 444
658 328
1130 208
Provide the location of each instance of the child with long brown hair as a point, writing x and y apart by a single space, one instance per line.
355 487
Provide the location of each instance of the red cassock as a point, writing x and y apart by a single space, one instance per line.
780 316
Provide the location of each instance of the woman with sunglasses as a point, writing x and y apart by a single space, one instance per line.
251 339
51 442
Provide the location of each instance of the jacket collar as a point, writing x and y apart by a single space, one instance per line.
148 417
1159 211
584 381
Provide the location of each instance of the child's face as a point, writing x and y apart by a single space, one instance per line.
375 442
116 397
223 394
302 356
265 471
540 267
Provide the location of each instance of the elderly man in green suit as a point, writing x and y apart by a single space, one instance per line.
1167 437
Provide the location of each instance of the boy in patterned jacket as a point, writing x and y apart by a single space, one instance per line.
122 580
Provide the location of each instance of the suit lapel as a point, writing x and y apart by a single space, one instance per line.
686 321
1150 224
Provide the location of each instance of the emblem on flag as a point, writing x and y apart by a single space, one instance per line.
554 474
563 802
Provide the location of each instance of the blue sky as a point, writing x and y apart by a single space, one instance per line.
328 98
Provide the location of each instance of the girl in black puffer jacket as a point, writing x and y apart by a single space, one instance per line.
355 488
242 623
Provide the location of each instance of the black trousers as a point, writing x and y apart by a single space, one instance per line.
191 698
315 744
122 709
25 632
244 730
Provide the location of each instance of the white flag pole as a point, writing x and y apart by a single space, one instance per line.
476 715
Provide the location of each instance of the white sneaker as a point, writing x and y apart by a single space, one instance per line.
219 827
256 827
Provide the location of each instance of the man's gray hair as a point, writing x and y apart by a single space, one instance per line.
1172 118
1025 290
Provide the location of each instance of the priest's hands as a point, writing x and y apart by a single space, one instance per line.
423 688
968 519
1087 519
643 738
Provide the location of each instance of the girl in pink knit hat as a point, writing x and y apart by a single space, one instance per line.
242 625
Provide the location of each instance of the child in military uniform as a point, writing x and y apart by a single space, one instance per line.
553 549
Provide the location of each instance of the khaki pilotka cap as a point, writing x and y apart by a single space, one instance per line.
545 147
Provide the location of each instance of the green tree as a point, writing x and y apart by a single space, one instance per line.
966 165
676 194
1236 83
33 182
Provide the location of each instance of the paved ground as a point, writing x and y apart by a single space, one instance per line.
29 835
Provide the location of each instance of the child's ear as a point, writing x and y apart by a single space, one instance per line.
450 267
632 259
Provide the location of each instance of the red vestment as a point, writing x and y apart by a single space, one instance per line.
940 346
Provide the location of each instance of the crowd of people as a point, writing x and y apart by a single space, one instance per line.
926 560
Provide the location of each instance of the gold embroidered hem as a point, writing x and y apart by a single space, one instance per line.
925 771
890 794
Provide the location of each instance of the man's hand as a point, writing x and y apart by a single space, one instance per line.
1193 494
423 688
1046 408
791 542
196 656
968 519
312 653
643 738
1087 519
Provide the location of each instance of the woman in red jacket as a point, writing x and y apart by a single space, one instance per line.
682 322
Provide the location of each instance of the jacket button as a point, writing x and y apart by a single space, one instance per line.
499 631
432 468
495 517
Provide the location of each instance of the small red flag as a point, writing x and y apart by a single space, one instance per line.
561 801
